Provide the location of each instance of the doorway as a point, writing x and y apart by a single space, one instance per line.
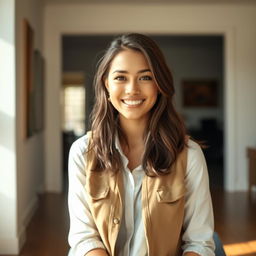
73 99
195 61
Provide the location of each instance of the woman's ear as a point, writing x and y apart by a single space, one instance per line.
106 83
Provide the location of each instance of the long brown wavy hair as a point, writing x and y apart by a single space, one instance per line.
165 136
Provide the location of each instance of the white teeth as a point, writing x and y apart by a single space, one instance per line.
132 102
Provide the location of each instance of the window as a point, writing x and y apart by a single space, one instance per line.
74 107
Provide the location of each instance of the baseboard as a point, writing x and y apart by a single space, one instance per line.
14 245
9 246
29 212
25 220
22 237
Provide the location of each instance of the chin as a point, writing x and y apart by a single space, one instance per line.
134 117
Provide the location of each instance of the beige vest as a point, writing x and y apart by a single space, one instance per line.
162 207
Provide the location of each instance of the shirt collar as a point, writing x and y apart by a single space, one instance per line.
119 148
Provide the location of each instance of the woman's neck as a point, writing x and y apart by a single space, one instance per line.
134 131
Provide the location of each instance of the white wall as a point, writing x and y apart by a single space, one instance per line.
8 194
21 160
30 152
235 22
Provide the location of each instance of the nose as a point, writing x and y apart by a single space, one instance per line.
132 87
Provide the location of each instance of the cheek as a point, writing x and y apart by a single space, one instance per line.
114 89
154 90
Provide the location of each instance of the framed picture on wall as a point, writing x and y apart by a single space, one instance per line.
38 94
200 93
28 74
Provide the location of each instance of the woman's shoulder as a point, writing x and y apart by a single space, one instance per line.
193 145
195 156
80 145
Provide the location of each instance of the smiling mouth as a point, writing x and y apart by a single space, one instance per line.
132 102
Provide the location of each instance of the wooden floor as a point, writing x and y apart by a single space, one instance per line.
235 221
47 232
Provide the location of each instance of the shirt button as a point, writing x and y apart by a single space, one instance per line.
116 221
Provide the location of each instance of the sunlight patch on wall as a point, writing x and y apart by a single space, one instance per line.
8 161
7 77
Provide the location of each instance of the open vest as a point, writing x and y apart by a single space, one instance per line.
162 207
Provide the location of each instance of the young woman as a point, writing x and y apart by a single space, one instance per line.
138 186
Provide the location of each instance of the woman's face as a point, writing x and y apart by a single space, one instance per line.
131 86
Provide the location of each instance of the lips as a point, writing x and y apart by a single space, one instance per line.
132 102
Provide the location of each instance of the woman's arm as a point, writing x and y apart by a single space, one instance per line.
198 220
191 254
83 234
97 252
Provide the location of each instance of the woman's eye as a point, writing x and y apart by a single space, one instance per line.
120 78
147 78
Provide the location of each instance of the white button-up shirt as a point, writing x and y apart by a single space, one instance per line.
198 220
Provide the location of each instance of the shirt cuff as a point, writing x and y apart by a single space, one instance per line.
201 250
83 248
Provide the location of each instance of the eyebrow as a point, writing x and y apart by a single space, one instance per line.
126 72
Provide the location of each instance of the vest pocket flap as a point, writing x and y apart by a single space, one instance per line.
170 194
98 193
97 185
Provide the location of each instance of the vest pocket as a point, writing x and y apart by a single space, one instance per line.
170 194
99 194
97 185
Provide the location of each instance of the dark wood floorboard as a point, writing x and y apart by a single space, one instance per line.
47 232
235 222
235 216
